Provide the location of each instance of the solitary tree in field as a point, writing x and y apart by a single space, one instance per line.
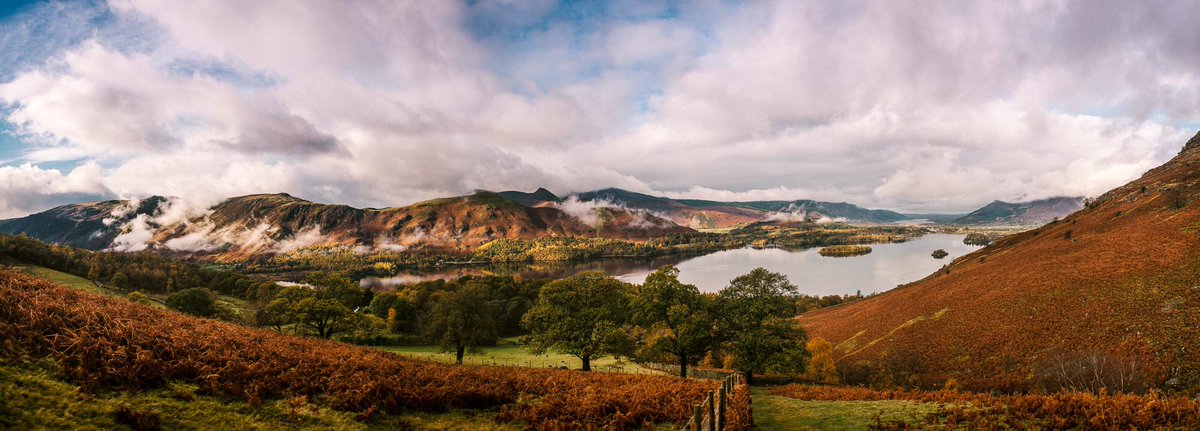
579 315
821 368
675 316
461 320
756 315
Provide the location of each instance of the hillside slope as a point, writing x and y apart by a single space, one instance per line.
1116 283
1036 212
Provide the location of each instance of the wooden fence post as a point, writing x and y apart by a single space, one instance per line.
696 418
721 403
712 412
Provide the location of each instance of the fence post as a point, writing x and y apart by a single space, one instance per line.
696 418
721 403
712 412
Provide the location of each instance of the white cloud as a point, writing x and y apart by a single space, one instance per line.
881 104
28 188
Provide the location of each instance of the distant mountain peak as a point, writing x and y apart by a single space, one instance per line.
1034 212
538 197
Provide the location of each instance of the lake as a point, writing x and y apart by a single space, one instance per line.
887 266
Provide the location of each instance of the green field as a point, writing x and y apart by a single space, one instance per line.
64 279
773 412
508 353
33 396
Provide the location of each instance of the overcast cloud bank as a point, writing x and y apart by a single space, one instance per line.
939 107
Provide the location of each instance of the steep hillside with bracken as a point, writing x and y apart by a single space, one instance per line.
1110 293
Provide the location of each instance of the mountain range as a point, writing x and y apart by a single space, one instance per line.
1036 212
270 223
1111 290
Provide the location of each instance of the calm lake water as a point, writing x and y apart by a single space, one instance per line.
887 266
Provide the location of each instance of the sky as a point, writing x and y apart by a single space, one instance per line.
922 106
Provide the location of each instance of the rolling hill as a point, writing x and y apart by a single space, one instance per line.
1113 287
1036 212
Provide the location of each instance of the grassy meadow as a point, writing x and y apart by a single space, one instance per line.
509 353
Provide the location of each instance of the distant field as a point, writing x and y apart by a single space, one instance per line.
773 412
510 354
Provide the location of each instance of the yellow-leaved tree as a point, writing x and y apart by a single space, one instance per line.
820 367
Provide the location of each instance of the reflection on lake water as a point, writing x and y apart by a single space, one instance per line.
887 266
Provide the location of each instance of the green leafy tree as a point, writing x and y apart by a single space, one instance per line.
462 320
757 311
281 311
119 280
326 317
580 315
383 302
197 301
675 316
339 288
93 272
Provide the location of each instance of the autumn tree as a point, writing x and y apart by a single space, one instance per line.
757 311
580 315
675 316
820 367
462 320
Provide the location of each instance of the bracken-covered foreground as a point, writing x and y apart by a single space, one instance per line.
108 343
1058 411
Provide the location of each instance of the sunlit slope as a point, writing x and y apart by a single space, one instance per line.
1119 278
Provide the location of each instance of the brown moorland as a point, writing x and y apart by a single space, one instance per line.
104 342
1114 287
